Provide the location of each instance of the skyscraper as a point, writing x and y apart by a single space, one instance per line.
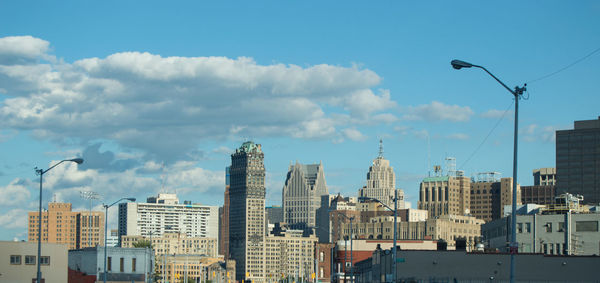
381 181
247 212
578 160
443 195
301 194
224 219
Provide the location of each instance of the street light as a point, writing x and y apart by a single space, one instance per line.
351 253
395 210
106 227
41 172
517 93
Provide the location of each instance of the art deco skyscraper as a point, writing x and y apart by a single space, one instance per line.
247 212
381 182
301 195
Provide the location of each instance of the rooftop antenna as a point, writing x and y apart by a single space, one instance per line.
380 148
428 156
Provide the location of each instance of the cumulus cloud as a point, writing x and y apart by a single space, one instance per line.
165 106
536 133
14 218
353 134
15 193
494 114
438 111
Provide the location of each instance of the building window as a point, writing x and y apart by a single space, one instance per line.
30 259
519 227
15 259
44 260
548 227
528 227
586 226
109 264
133 262
122 265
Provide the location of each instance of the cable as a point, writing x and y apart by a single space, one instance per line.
488 135
566 67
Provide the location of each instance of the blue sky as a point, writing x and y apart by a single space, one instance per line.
132 85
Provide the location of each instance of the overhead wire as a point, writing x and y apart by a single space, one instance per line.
566 67
488 135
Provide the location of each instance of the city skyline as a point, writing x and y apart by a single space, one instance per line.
157 98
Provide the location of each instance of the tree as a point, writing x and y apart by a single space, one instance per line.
142 244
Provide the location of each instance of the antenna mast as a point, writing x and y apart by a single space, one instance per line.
380 148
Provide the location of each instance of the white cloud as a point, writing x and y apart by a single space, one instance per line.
15 193
494 114
14 218
438 111
165 106
21 49
458 136
353 134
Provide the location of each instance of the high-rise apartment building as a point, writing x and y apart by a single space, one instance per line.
61 225
488 198
224 220
247 212
544 177
165 214
289 256
176 243
543 190
301 194
381 182
444 195
578 160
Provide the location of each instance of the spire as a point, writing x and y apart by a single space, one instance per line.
380 148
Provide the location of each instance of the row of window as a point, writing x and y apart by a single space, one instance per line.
121 264
29 260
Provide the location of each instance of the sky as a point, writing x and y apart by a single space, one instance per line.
155 95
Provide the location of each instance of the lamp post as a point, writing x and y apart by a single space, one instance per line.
351 256
106 227
517 93
395 210
41 172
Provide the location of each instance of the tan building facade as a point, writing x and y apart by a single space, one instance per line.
61 225
444 195
445 227
289 257
18 263
176 243
489 198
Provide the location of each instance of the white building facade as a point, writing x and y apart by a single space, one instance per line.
164 214
381 182
301 194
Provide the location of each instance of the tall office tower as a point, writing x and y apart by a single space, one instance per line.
61 225
301 195
544 177
247 212
578 160
224 219
165 214
489 196
444 195
381 181
274 214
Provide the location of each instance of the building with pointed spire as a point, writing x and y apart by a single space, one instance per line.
301 195
381 182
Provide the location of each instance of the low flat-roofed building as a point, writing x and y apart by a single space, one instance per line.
122 265
18 262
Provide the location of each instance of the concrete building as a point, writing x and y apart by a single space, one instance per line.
489 195
224 219
443 195
578 160
542 195
247 212
274 214
460 266
112 239
122 265
176 243
544 177
553 234
194 268
289 255
381 182
301 194
164 214
324 232
61 225
445 227
18 263
348 254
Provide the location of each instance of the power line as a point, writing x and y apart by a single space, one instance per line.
566 67
488 135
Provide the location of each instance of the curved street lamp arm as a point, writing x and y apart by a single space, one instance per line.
498 80
385 205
